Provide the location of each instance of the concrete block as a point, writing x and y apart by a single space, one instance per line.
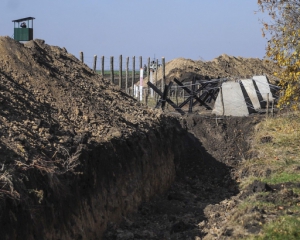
234 100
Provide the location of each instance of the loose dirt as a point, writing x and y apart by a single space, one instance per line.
196 206
54 108
223 66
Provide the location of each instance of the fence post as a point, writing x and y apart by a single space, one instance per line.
126 77
176 94
163 74
141 84
102 67
120 72
112 69
222 101
133 74
146 96
148 77
148 69
81 57
156 71
95 63
267 104
141 62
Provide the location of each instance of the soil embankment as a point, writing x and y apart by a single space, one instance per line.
187 210
78 155
224 66
76 152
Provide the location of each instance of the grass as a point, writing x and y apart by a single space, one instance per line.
283 177
285 227
277 142
281 154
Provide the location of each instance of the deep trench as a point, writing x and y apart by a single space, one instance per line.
153 185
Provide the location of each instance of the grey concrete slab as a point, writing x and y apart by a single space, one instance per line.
263 87
252 93
234 100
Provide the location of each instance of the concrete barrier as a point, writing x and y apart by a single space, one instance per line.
263 86
234 100
253 93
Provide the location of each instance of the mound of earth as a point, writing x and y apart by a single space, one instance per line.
50 100
223 66
78 154
68 139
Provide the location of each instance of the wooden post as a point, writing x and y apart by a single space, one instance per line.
112 69
148 77
267 104
148 68
102 67
146 96
141 62
95 63
176 94
222 101
126 77
81 57
156 72
120 72
133 75
163 80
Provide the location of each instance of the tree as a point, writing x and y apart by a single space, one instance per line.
283 45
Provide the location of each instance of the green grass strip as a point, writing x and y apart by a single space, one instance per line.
282 177
284 228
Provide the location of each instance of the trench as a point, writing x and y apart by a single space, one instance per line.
153 185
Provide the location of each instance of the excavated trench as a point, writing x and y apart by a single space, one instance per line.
204 176
80 159
153 185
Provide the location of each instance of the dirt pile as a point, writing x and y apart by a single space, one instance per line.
223 66
76 152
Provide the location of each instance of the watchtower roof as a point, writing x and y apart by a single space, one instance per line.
23 19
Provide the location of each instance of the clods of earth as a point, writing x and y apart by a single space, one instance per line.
57 117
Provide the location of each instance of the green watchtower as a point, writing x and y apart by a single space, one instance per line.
23 29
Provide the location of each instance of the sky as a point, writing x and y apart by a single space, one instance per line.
193 29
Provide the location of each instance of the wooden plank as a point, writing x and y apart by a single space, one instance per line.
192 95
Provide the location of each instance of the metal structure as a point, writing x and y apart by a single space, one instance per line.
23 29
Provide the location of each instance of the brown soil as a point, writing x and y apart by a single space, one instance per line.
223 66
56 113
201 189
78 154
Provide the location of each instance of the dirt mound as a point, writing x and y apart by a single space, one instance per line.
57 121
223 66
48 98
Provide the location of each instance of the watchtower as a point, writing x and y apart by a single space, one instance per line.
23 29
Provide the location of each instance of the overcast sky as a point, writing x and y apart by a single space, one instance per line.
195 29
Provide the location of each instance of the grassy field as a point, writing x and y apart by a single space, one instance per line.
277 142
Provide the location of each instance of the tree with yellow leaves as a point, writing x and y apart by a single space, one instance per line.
284 45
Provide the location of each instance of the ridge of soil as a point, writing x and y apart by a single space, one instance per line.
224 66
59 122
58 118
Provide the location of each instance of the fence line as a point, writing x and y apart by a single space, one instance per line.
145 94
